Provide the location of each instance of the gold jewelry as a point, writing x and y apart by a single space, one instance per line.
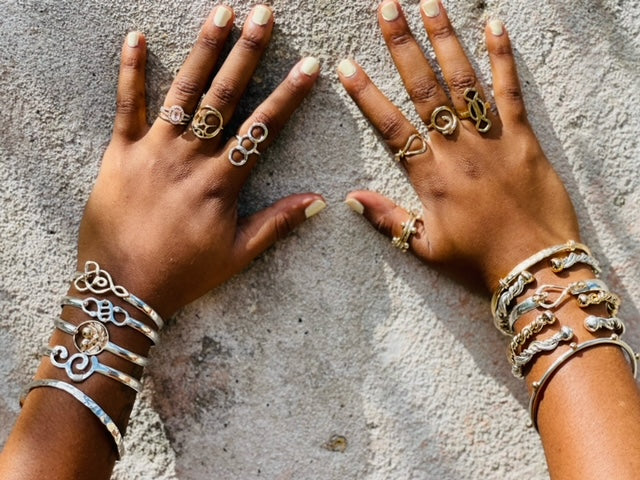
207 122
444 120
408 229
477 110
406 152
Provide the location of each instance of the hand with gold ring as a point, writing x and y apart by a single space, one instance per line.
163 214
489 195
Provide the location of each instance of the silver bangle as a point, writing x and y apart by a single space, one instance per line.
560 264
92 338
595 298
575 289
515 290
85 400
81 366
548 345
107 312
546 318
98 281
575 348
593 324
506 282
523 308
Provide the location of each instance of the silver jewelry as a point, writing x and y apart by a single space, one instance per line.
575 289
548 345
560 264
546 318
98 281
575 348
593 324
408 229
515 290
443 120
81 366
506 282
595 298
85 400
406 151
251 137
92 338
207 122
174 115
105 311
523 308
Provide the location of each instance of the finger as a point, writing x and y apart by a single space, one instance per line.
273 114
194 76
387 218
261 230
456 68
231 81
392 125
506 84
131 122
417 75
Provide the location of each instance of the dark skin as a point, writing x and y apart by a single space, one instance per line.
489 200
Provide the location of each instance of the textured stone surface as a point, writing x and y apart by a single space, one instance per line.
331 332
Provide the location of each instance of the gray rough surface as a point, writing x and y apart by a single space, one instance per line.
332 331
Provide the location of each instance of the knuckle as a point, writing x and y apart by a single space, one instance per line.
442 32
209 41
132 62
224 91
511 94
391 126
501 50
185 88
266 117
461 80
384 224
127 104
424 90
283 225
400 39
252 41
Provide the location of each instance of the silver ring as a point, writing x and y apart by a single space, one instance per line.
207 122
406 151
174 115
255 141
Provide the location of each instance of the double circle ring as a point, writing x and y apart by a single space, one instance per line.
207 122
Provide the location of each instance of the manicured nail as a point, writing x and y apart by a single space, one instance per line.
347 68
310 66
355 205
222 17
315 207
133 39
389 11
496 27
261 15
431 8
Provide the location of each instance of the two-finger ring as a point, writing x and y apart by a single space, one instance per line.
174 115
408 229
477 110
444 120
207 122
415 140
239 155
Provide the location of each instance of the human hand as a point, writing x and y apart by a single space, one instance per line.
490 199
163 217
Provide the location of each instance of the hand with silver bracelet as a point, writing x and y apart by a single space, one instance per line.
489 200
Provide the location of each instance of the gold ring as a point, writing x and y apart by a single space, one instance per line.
406 151
207 122
408 229
477 110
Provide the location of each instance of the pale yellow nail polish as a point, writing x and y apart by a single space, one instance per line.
261 15
133 39
431 8
355 205
310 66
347 68
222 17
314 208
389 11
496 26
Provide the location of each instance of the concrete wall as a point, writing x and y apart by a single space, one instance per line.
332 332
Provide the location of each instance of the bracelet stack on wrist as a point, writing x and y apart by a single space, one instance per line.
524 347
91 338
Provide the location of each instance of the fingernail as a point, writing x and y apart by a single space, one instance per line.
261 15
347 68
310 66
222 17
389 11
496 26
133 38
431 8
355 205
314 208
